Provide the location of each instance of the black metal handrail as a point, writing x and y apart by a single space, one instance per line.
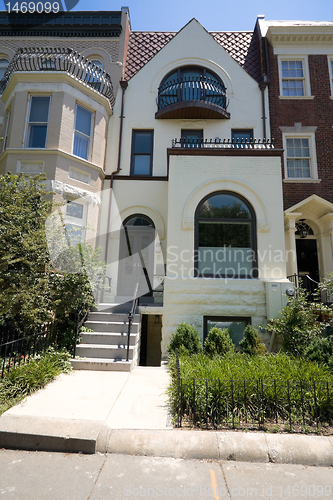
192 88
185 142
81 317
60 59
130 318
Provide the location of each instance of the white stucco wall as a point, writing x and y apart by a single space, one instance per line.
191 46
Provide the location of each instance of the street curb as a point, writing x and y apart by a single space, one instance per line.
52 434
81 436
225 445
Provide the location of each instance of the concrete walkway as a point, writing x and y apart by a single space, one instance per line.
120 412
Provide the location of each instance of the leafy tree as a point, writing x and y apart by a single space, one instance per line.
24 264
32 292
251 343
218 342
186 340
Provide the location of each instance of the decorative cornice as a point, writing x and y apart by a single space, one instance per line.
302 38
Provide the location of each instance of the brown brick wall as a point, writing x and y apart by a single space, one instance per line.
314 113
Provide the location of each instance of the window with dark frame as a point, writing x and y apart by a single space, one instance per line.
225 237
235 326
142 152
191 138
241 136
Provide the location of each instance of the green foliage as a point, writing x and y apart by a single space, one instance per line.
320 350
237 388
251 343
218 342
298 324
32 292
23 380
185 339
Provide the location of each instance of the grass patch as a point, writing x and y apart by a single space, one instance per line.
24 380
277 390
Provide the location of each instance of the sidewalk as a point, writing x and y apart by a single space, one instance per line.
120 412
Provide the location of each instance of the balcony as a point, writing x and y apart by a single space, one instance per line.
60 60
192 93
225 144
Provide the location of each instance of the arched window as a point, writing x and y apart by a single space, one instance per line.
3 66
225 237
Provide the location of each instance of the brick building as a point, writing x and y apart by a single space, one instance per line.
299 70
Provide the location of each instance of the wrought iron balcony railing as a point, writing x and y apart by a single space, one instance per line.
199 89
185 142
63 60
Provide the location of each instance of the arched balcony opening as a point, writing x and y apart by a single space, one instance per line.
192 92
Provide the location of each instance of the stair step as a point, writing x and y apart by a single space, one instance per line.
109 316
101 364
111 326
103 351
107 338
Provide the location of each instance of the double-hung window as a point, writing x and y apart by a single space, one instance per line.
38 121
298 157
142 152
82 132
293 81
300 162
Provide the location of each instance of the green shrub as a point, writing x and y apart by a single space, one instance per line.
321 351
185 339
298 324
251 343
218 342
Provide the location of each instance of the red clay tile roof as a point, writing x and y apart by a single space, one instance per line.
143 45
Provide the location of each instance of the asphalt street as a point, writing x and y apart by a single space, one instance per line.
28 475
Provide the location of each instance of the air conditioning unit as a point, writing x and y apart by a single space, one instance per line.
277 293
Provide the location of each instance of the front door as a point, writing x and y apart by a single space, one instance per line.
307 263
136 257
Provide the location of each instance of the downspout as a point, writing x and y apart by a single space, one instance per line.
123 85
263 85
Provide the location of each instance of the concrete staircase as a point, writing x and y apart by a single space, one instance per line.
105 347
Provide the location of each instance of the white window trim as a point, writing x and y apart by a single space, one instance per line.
307 88
313 156
90 148
26 129
82 172
330 72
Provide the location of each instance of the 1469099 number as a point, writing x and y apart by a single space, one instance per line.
32 7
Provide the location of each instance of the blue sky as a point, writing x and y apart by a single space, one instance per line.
171 15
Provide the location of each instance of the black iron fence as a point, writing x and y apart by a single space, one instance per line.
17 348
254 403
60 59
194 142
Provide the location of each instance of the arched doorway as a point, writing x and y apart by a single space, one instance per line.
136 256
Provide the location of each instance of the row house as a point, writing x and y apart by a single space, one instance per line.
300 72
159 145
